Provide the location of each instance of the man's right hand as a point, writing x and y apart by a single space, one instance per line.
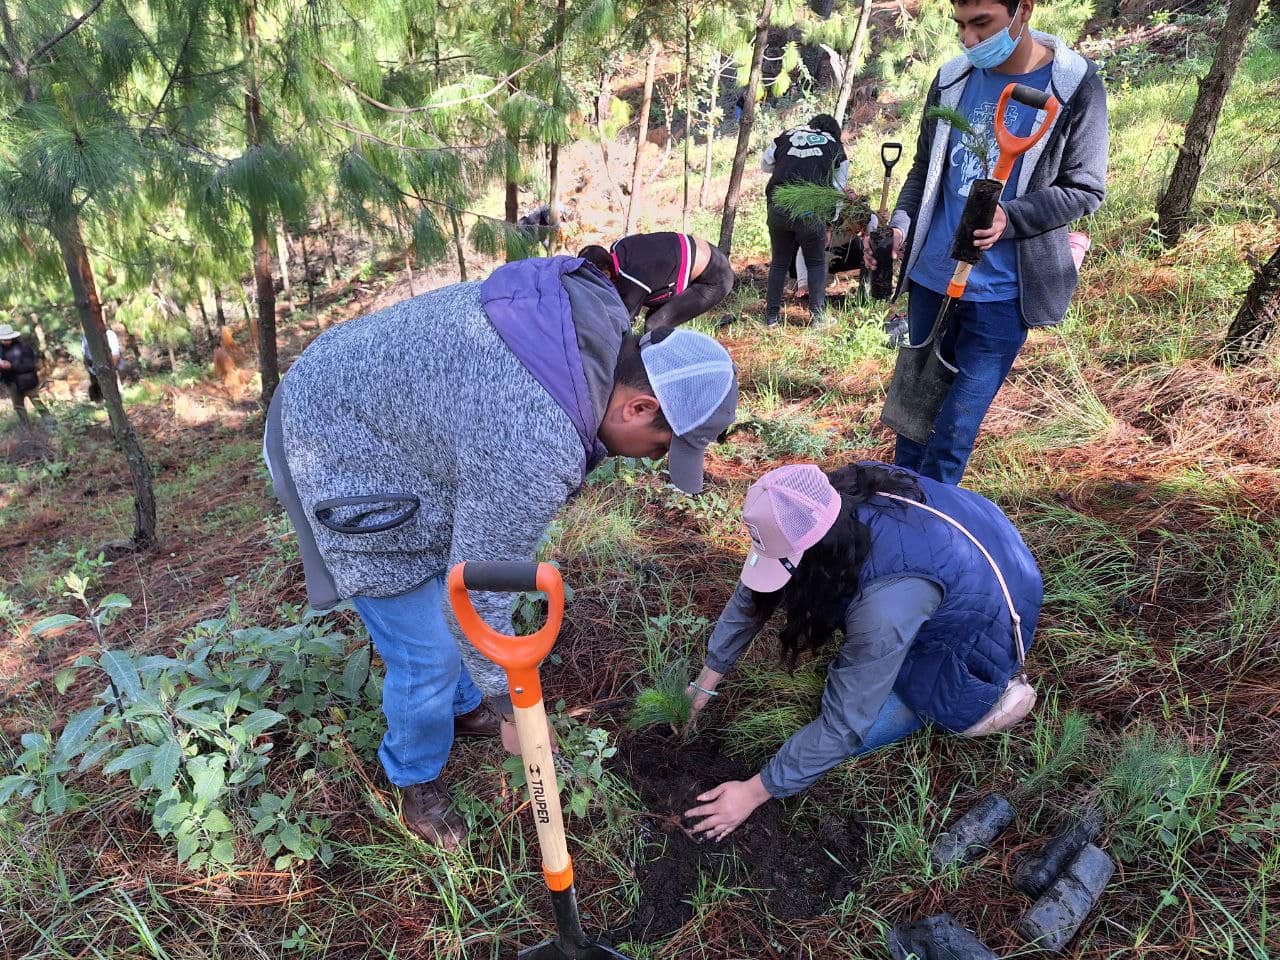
867 256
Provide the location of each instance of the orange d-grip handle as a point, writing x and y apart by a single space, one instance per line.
1011 147
519 656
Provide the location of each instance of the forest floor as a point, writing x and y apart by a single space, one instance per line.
1145 480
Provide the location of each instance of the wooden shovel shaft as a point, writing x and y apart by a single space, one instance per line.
544 794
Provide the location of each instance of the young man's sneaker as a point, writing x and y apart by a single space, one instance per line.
772 321
822 321
426 812
483 721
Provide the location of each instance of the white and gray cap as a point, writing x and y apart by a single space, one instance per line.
696 384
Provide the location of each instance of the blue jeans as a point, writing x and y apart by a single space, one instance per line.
426 686
895 721
982 340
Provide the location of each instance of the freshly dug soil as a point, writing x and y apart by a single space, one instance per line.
882 275
800 870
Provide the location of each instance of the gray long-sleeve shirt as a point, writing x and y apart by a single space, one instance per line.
879 626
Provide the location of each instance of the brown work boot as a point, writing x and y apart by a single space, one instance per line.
426 813
483 721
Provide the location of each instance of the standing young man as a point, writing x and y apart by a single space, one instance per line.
453 427
1027 276
807 154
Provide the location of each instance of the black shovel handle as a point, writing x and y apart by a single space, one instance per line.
499 576
889 162
1030 96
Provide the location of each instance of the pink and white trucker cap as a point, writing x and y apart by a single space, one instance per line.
787 511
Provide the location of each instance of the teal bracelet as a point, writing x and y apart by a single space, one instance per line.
700 689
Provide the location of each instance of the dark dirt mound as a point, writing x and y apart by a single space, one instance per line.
800 870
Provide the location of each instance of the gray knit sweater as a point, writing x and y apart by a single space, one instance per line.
425 399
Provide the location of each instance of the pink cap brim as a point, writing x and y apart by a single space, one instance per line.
764 574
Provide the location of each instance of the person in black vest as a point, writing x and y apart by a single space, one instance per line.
810 154
677 276
18 374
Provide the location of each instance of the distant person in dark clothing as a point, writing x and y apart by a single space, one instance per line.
677 276
538 222
19 376
808 154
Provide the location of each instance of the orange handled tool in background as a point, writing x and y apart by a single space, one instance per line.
520 657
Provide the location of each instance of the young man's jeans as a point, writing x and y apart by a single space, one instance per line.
982 340
426 686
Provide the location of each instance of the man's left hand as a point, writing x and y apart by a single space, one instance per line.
729 804
986 239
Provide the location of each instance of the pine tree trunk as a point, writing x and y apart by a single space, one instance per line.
457 242
713 100
744 130
204 317
1172 212
1256 321
688 120
553 154
603 101
282 254
332 270
218 312
851 65
306 270
642 134
80 272
264 284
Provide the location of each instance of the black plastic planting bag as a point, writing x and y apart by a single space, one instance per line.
979 211
921 381
882 275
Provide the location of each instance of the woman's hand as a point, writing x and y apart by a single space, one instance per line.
703 690
726 806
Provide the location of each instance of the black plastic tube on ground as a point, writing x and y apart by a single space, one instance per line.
979 211
1055 918
972 833
1035 874
882 275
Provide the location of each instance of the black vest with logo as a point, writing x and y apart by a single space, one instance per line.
804 155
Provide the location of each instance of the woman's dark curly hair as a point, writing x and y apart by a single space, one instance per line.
826 578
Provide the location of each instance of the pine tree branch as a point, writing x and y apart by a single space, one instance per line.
400 146
496 88
70 29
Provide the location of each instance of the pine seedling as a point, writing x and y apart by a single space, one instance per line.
978 141
667 703
1064 752
822 204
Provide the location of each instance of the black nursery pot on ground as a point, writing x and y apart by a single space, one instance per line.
979 211
882 275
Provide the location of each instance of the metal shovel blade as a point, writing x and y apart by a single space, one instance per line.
572 942
552 950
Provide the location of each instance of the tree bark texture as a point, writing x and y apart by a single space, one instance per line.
642 134
744 130
264 284
1173 210
851 65
89 308
1256 320
709 132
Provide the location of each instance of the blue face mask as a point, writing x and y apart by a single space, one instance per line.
994 50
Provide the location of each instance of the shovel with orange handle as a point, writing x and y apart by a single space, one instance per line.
922 377
519 657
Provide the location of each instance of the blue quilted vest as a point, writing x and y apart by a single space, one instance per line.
963 657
